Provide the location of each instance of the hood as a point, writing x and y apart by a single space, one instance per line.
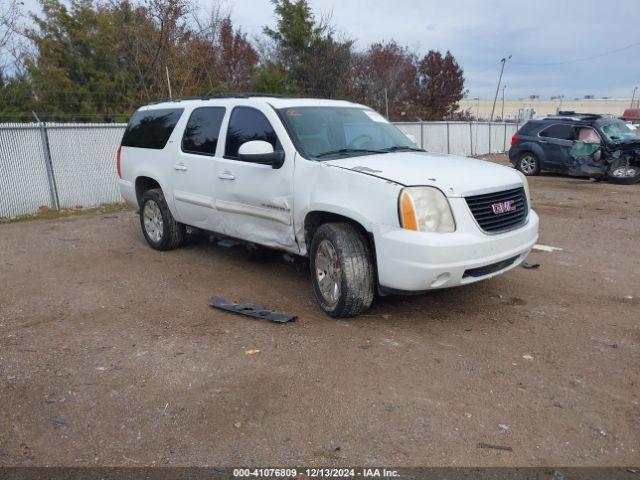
455 176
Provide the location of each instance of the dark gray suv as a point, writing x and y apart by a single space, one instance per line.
585 145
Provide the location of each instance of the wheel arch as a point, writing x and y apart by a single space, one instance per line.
315 218
144 183
537 150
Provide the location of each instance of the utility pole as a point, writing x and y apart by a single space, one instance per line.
502 114
495 99
633 97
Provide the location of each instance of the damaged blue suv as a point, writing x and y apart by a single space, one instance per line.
578 144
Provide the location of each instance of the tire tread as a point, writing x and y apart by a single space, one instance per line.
174 232
357 269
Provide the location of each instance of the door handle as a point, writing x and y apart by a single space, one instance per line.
180 166
226 175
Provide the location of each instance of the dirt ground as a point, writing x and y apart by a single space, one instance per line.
110 355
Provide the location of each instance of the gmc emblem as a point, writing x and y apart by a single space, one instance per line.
503 207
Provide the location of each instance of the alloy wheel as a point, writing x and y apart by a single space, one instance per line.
328 272
153 223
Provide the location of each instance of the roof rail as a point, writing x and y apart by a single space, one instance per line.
225 95
570 113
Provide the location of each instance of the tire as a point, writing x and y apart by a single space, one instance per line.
340 254
628 179
159 227
528 163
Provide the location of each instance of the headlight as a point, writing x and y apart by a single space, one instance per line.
425 209
526 187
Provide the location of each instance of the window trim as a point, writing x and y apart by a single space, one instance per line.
556 138
193 152
226 137
595 130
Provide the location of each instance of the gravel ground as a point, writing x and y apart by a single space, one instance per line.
110 355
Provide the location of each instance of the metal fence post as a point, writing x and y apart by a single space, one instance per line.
53 188
489 138
422 135
471 137
504 141
448 142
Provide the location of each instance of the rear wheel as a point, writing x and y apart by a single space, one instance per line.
341 269
159 227
624 174
528 164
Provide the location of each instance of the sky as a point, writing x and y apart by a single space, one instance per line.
544 37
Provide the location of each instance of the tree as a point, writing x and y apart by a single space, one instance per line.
315 60
75 67
10 18
386 67
105 60
443 86
235 58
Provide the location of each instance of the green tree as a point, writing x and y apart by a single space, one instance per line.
75 67
316 62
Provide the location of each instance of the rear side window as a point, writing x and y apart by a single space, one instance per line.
247 124
559 131
201 134
528 128
151 128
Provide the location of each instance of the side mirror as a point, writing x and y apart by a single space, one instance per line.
259 151
412 137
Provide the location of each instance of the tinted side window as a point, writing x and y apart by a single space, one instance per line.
560 131
201 134
528 128
248 124
151 128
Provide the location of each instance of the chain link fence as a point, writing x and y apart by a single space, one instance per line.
64 165
461 138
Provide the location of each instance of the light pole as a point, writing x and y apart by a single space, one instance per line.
633 97
502 114
495 99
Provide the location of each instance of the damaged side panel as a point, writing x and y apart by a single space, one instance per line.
591 160
363 198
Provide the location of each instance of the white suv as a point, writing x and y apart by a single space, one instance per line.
331 180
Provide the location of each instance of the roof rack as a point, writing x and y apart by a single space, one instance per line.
571 113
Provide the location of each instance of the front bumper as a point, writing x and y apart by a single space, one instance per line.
410 262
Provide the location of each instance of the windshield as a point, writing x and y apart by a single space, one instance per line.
617 131
336 132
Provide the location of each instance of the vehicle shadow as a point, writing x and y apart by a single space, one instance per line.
278 271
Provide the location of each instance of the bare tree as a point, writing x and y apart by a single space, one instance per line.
10 16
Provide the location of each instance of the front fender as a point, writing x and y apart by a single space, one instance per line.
362 198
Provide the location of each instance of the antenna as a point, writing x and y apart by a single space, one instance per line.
168 82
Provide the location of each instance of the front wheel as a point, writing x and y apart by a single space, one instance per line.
528 164
623 174
341 269
159 227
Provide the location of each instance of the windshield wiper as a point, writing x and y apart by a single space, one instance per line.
348 150
398 148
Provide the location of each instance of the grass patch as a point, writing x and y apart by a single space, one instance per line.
46 213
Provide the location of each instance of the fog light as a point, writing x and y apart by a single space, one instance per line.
441 280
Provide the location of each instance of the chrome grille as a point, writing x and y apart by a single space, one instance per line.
481 207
